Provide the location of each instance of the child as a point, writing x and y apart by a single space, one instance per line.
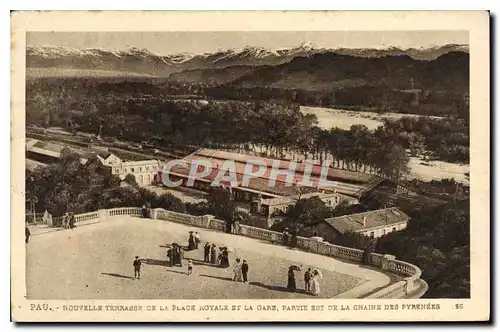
137 268
190 267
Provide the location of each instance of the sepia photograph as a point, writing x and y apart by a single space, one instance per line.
300 167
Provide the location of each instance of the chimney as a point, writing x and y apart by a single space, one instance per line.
364 221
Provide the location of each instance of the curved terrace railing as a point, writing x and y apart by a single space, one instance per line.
410 285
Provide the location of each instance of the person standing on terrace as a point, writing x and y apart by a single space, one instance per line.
191 243
27 234
206 252
244 271
285 237
197 239
236 227
137 268
72 221
213 254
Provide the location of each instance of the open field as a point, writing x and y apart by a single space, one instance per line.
430 170
95 262
436 170
329 117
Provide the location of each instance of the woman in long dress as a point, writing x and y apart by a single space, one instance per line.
291 285
238 276
191 243
213 255
225 258
315 286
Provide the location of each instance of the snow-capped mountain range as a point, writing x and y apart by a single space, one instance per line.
145 62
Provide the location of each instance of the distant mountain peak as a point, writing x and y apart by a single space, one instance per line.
143 61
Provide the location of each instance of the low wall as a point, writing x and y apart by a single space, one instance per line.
411 286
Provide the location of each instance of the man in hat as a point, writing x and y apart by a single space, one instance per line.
307 280
207 253
244 271
137 268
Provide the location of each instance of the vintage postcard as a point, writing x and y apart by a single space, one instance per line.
250 166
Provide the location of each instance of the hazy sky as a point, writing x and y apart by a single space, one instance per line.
200 42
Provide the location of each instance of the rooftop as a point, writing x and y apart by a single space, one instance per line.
374 219
333 173
47 146
103 154
295 198
255 185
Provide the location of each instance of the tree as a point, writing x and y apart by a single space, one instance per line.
396 163
221 204
308 211
130 179
354 240
170 202
240 216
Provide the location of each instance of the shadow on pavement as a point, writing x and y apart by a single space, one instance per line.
118 275
200 262
215 277
277 288
150 261
174 271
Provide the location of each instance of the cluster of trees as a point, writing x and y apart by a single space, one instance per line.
445 139
276 127
363 98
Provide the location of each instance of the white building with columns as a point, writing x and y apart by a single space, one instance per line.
144 171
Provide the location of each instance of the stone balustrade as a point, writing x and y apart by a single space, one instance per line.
87 218
410 286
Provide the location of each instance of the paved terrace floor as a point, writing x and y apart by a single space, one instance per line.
95 262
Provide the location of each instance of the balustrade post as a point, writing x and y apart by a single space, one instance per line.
158 213
410 285
386 262
314 243
103 215
206 220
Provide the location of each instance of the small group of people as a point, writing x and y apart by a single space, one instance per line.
312 280
240 271
68 221
175 254
290 237
232 227
220 258
193 240
223 257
